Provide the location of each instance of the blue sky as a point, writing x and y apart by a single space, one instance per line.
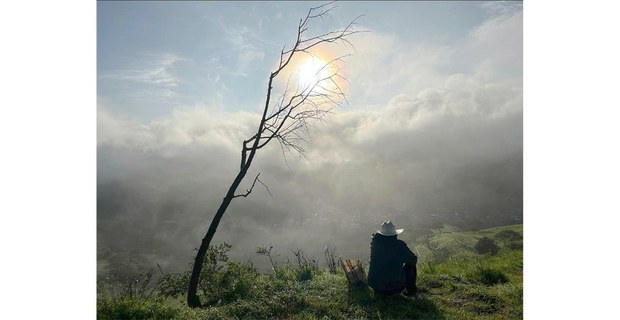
153 57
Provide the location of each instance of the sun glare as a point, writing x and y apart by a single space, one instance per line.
312 71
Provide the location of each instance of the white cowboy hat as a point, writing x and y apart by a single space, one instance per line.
388 229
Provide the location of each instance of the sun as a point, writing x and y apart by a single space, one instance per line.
311 71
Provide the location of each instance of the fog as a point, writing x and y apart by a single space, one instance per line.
415 160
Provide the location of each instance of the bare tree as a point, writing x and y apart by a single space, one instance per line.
286 119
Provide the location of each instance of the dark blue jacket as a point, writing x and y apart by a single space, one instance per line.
387 256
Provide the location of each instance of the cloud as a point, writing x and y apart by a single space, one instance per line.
153 69
185 128
496 48
153 75
387 65
242 42
500 10
247 57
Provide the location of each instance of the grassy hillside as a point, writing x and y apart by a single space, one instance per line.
460 245
466 285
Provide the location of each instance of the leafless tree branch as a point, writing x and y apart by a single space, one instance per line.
247 192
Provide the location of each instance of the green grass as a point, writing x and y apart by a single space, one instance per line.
135 309
466 286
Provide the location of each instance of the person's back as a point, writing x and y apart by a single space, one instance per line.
392 264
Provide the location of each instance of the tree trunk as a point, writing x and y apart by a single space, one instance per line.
192 298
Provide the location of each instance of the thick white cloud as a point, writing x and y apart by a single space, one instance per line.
197 127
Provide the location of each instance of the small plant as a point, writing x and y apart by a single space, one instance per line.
330 258
263 251
486 246
305 266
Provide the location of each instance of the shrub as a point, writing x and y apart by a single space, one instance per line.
510 239
213 265
486 246
508 236
175 284
220 280
235 282
515 245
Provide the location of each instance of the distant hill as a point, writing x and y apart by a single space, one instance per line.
456 245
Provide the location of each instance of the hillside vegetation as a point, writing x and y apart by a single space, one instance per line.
460 276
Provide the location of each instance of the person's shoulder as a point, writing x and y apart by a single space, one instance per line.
375 238
402 243
404 247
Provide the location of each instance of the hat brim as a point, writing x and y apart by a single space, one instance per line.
398 231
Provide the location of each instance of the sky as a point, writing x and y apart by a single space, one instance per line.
433 127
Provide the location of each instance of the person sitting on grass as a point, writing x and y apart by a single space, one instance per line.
392 265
